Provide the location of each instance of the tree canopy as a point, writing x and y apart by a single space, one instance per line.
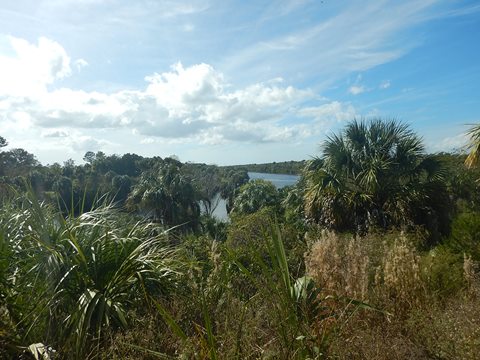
375 173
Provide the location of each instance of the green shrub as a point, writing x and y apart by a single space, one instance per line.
442 272
465 235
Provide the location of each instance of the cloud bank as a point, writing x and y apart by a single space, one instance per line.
192 103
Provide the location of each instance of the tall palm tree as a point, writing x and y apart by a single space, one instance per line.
167 195
474 146
374 173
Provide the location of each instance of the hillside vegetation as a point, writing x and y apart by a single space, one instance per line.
373 254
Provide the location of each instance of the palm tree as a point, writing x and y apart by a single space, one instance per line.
255 195
374 173
167 195
474 146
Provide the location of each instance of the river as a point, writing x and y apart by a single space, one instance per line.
279 180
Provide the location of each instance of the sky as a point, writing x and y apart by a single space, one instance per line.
232 82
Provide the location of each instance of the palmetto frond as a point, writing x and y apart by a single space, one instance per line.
474 146
86 271
374 172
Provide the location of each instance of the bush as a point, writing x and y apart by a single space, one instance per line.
465 235
442 272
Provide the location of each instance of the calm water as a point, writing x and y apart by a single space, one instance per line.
278 180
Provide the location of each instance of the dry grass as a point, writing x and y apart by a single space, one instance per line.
432 296
339 265
448 331
380 271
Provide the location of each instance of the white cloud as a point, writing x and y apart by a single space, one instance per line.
385 84
192 102
193 105
328 47
356 89
450 143
147 141
32 67
85 143
80 64
334 111
54 134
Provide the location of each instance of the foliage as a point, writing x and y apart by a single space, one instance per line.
462 184
465 235
376 174
207 183
108 284
442 272
254 196
3 142
450 331
474 146
16 162
85 272
232 181
167 196
285 167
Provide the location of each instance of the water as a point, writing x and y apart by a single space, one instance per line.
279 180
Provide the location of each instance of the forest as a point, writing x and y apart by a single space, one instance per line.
372 254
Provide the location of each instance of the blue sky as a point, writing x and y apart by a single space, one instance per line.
227 82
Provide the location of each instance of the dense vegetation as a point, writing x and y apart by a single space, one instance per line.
373 254
284 167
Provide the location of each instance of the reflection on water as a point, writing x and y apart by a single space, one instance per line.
278 180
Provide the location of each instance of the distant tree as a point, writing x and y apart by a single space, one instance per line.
291 198
167 195
255 195
208 184
17 162
63 187
121 186
231 182
3 142
462 184
68 168
130 164
89 157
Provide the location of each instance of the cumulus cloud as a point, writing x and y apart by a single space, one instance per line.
31 67
192 103
85 143
356 89
450 143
